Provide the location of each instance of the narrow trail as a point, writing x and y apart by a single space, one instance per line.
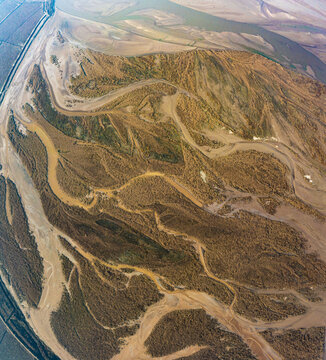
200 248
185 299
53 158
92 106
188 351
212 276
180 188
168 106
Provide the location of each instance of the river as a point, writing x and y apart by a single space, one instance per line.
286 51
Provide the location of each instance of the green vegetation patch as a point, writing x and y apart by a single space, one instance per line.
180 329
298 344
67 266
96 128
19 256
140 247
77 330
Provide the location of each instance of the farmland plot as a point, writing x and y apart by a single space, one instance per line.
21 34
7 7
8 55
18 18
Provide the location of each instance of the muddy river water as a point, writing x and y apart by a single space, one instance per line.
286 51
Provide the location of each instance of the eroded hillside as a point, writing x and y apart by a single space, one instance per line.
189 189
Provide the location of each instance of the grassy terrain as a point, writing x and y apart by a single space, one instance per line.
154 213
250 172
67 266
180 329
20 258
267 307
298 344
241 98
279 251
76 329
115 130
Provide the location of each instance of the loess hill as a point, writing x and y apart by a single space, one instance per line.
173 188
